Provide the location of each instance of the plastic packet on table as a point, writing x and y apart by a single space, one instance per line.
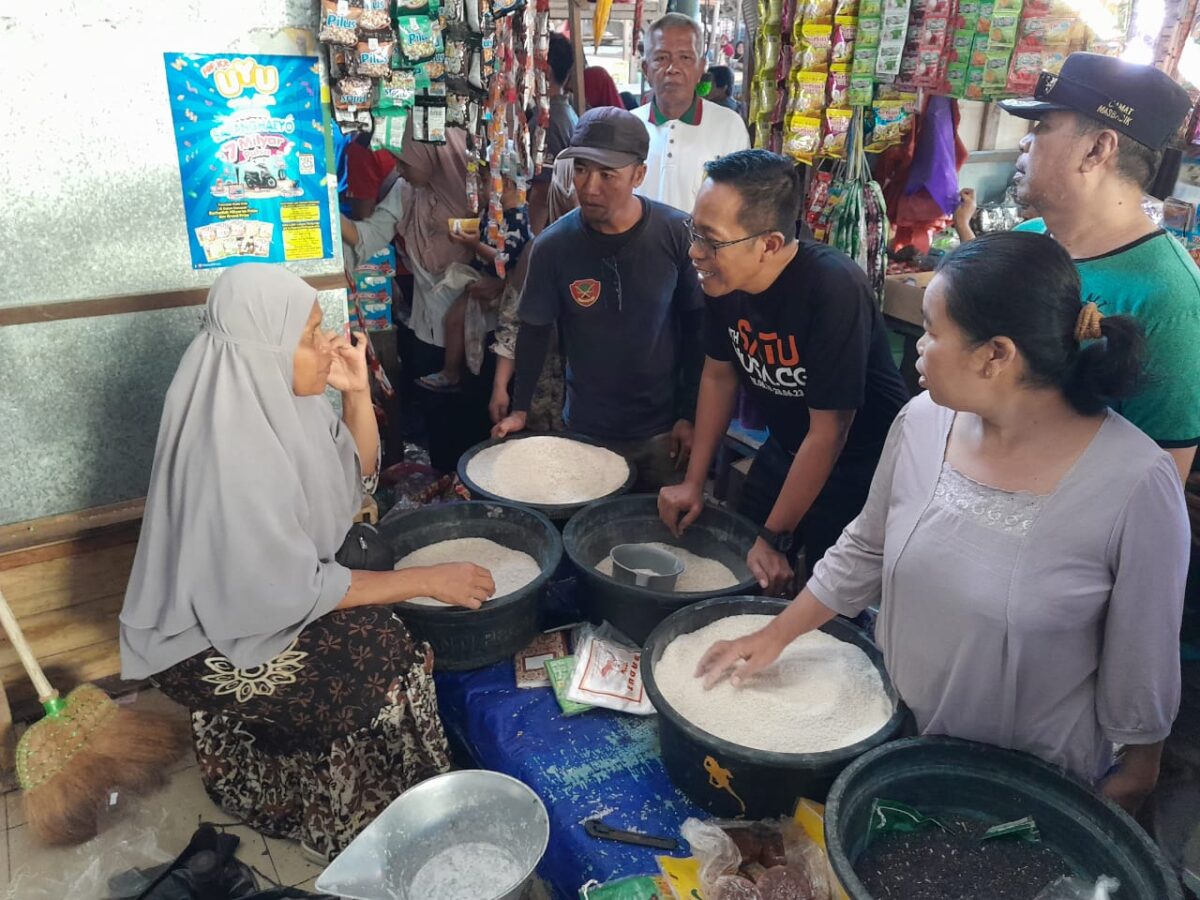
608 672
770 859
638 887
1068 888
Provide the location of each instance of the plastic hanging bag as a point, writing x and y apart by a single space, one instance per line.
1069 888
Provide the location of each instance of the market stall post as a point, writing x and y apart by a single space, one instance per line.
577 84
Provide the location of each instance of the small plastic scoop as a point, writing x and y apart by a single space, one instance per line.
646 567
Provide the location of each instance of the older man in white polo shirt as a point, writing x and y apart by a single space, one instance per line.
685 131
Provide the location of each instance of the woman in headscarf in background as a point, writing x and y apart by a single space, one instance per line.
312 708
431 190
600 89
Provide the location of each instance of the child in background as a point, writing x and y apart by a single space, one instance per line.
487 290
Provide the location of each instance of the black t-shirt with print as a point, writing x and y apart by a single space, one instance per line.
620 301
814 339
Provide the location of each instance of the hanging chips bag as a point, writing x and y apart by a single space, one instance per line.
845 33
956 78
817 48
802 138
1004 29
339 22
376 15
833 135
388 133
353 92
374 54
417 39
891 124
861 89
838 88
961 44
995 72
807 93
819 12
397 90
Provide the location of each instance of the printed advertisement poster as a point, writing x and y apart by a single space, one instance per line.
251 157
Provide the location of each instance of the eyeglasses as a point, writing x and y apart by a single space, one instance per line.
710 247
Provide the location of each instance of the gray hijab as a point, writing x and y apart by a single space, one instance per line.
251 494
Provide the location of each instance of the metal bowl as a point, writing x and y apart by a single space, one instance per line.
463 807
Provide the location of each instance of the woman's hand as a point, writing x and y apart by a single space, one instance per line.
486 289
679 505
349 373
754 652
466 239
460 584
510 424
1135 777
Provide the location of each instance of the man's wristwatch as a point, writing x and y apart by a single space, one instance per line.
779 541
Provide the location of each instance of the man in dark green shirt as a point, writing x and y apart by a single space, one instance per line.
1101 126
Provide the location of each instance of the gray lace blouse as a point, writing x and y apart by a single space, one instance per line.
1048 624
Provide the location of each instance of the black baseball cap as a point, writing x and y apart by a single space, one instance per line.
1141 102
610 137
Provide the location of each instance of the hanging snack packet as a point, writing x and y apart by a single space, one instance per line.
839 88
956 78
417 39
339 22
388 133
817 48
833 136
1004 29
995 72
412 8
845 33
870 9
861 89
979 49
1047 31
376 15
1024 72
987 9
867 35
374 54
961 44
819 12
457 55
768 53
974 89
397 90
803 138
353 92
865 59
429 119
891 120
807 93
608 673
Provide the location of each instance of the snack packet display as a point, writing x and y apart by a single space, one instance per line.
893 35
397 90
807 93
816 48
819 12
838 93
429 119
339 22
388 131
861 89
353 92
892 123
417 39
1004 29
373 56
833 135
802 138
376 15
845 34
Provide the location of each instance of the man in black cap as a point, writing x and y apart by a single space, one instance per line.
616 277
1101 127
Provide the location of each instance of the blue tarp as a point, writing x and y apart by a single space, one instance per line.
596 764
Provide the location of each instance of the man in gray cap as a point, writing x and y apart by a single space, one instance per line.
616 277
1101 127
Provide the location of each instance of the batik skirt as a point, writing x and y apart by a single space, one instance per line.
314 744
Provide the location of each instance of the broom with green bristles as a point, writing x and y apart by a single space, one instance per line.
86 747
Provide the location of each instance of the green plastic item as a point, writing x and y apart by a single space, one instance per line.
560 671
1018 830
639 887
893 817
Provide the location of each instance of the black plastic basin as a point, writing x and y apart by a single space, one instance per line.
978 781
556 512
470 639
712 771
592 533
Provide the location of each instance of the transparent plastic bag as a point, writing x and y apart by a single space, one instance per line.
608 672
1069 888
769 860
716 852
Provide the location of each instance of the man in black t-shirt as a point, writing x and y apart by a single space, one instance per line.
616 277
796 322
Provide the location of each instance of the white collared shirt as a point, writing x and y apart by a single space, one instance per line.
678 152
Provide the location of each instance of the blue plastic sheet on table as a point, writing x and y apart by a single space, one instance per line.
596 764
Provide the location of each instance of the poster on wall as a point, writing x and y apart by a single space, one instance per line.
251 146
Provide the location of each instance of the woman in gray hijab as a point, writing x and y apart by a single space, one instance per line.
312 708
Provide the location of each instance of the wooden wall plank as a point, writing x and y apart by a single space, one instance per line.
60 631
67 581
65 671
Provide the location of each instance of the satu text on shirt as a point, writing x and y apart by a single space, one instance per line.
770 360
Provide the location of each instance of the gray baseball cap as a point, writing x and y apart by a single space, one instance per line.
610 137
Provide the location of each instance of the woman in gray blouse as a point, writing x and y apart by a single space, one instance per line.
1028 547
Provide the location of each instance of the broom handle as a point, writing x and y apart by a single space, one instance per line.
44 691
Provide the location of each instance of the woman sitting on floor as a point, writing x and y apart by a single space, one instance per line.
1027 546
312 708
